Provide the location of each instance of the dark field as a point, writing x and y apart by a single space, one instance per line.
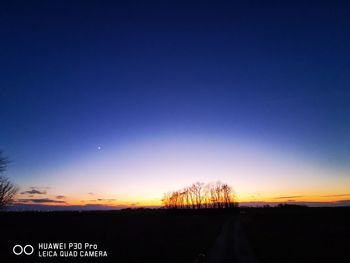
139 237
274 234
299 235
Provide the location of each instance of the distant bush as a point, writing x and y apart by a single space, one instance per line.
291 206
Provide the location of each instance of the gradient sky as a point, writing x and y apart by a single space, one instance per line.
117 102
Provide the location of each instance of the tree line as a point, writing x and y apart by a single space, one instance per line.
200 196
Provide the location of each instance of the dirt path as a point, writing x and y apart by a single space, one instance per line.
231 245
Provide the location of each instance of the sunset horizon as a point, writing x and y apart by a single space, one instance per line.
209 159
175 131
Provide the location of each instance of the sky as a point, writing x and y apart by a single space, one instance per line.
114 103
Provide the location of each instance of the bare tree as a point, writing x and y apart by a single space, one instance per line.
7 189
166 200
197 190
199 195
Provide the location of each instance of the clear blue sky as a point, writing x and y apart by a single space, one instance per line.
77 75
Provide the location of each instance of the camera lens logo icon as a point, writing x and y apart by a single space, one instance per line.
18 250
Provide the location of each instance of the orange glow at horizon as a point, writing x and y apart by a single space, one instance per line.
139 174
157 202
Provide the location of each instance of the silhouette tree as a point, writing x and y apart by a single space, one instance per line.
200 195
7 189
197 190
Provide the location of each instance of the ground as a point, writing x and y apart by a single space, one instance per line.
127 237
265 235
298 234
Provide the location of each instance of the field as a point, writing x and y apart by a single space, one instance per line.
273 235
299 234
127 237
